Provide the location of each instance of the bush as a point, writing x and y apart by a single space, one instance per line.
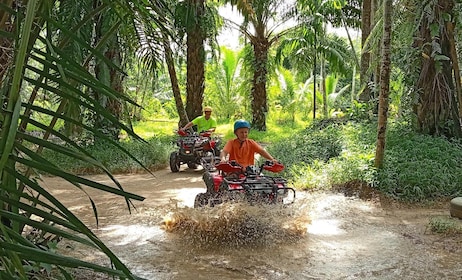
417 167
327 153
152 154
308 146
421 167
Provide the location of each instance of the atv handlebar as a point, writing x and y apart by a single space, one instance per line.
182 132
235 167
273 166
229 167
205 133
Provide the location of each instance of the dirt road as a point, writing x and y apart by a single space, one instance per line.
321 236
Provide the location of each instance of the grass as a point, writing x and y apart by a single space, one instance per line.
152 155
445 225
153 128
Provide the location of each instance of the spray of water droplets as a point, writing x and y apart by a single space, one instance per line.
237 224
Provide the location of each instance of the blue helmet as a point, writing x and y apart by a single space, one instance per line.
240 124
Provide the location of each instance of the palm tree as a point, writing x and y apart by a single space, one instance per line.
198 20
109 76
366 27
38 63
262 19
195 69
157 47
289 98
302 47
225 81
169 60
101 28
309 47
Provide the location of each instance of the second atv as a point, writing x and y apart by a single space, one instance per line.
194 149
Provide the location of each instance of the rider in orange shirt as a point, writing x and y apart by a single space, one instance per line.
242 150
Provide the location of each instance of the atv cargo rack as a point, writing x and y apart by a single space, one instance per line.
231 182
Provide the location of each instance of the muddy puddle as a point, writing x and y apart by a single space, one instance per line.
320 236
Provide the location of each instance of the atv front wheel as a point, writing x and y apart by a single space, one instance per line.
174 162
201 200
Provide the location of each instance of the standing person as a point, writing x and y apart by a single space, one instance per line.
242 150
205 123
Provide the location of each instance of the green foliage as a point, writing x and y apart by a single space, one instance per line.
290 98
152 154
48 79
309 145
153 128
419 167
224 81
276 132
360 111
326 153
445 225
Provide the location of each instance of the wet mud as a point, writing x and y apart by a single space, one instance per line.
320 236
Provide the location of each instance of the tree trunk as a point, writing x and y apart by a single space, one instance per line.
384 83
109 77
365 55
352 45
195 63
259 102
174 81
455 64
437 110
6 44
325 108
315 66
375 78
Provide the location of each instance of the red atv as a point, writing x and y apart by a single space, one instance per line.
194 149
230 182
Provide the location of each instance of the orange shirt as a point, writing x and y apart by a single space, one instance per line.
243 153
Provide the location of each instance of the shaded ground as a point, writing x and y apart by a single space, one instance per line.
321 236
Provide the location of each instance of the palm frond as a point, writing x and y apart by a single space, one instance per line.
44 61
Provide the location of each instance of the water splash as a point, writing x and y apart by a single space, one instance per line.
237 224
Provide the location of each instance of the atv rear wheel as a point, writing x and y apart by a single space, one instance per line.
201 200
174 162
